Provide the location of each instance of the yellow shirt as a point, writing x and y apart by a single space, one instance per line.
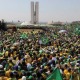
68 76
6 53
65 71
7 73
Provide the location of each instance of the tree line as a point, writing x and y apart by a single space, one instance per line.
3 26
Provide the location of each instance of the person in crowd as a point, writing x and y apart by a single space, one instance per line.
25 59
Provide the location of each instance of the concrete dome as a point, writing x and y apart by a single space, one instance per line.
25 24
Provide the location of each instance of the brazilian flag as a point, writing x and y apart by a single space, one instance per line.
56 75
44 40
24 36
77 31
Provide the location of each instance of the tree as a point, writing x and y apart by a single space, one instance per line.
3 25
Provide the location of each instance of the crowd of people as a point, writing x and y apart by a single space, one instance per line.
27 59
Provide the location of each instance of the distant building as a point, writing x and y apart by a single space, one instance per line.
56 23
37 12
75 22
34 12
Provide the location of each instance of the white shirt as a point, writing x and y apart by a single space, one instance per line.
23 78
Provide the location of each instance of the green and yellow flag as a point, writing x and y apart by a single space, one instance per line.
44 40
24 35
56 75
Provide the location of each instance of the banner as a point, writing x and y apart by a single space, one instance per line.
56 75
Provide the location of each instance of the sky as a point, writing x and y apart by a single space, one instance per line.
49 10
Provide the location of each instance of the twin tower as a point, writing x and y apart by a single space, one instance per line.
35 12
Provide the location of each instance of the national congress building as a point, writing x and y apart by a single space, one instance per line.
34 12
